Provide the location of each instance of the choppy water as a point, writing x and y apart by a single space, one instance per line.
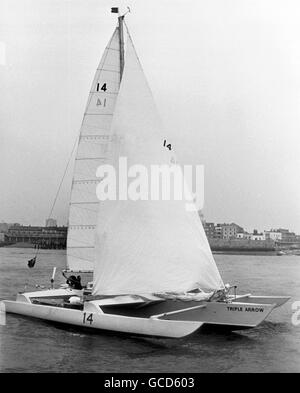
29 345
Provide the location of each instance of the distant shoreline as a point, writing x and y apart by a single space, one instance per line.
251 252
245 252
215 252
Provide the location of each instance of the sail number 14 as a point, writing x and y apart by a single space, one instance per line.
87 319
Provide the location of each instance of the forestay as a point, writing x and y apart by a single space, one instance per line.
147 246
91 152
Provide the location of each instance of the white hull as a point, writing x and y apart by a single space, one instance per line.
93 318
237 315
153 316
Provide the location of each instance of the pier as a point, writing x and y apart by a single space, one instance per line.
38 237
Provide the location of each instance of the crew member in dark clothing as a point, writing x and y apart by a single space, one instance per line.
73 282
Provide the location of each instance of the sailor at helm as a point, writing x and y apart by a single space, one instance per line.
74 282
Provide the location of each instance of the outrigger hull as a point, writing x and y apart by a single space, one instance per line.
235 315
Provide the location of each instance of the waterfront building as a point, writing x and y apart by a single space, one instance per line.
4 226
43 237
219 231
230 231
50 222
210 230
222 231
257 236
244 235
287 236
272 235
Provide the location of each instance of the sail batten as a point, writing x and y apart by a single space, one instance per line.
91 152
147 246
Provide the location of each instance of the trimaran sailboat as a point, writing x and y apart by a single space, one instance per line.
153 270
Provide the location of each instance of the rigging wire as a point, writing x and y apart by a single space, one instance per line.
63 177
59 187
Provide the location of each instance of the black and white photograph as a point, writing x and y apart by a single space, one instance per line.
150 189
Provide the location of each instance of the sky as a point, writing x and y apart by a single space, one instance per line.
226 80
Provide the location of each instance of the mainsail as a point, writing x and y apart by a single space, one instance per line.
91 152
147 246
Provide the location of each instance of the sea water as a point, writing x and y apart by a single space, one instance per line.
31 345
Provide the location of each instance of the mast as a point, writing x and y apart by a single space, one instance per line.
121 42
121 37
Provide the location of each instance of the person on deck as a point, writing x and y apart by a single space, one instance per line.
74 282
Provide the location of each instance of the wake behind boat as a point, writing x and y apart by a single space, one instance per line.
153 270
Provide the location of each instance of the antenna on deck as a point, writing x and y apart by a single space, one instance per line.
53 278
